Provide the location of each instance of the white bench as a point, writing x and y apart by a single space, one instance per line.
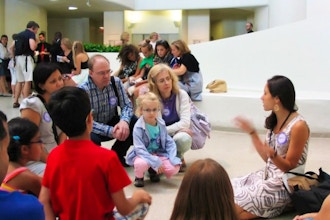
221 108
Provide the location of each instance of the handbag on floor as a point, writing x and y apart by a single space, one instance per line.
309 190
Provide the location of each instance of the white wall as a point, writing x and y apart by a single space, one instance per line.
317 7
299 50
17 14
284 12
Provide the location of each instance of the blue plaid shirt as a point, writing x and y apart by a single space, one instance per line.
104 104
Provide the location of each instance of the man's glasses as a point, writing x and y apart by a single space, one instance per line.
151 110
103 73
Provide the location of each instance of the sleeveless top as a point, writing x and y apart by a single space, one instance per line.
84 65
9 177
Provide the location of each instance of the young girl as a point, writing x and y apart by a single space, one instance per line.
25 145
163 53
154 150
139 81
80 59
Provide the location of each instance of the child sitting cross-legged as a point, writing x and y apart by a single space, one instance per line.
154 150
82 180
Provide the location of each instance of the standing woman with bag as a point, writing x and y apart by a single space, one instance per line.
262 193
47 79
176 107
187 69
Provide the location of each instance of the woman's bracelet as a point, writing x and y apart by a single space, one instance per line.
253 132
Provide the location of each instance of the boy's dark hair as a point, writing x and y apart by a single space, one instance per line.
21 131
69 108
43 34
32 24
41 73
3 118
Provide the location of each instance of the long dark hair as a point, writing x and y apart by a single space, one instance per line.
281 87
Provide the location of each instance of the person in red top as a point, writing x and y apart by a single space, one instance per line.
83 180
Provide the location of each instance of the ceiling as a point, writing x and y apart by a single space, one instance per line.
93 10
59 8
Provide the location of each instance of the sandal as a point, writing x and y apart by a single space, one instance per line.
16 105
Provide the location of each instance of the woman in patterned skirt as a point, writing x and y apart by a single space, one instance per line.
261 193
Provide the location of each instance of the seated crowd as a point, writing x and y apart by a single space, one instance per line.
74 110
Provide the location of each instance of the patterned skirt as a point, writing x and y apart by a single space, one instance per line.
264 197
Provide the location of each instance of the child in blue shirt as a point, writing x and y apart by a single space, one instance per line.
154 150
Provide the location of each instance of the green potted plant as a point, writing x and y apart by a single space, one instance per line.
92 47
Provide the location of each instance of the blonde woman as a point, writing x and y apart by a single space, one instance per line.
80 60
65 59
176 107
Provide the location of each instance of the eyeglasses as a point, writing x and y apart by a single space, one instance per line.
163 80
103 73
151 110
36 142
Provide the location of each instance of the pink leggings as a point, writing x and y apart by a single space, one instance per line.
141 166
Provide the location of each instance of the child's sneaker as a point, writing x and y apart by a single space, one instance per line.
139 182
154 177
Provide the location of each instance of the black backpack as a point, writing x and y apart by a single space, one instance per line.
22 45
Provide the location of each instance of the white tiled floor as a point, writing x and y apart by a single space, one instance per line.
233 150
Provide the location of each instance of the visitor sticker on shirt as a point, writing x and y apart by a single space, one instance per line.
113 101
46 117
282 138
166 111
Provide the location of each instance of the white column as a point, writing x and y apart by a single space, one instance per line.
113 23
198 26
261 19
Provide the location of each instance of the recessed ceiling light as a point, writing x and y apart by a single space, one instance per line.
72 8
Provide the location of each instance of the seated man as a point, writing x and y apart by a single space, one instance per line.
106 94
81 180
14 205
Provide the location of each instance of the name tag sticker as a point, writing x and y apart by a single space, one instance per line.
282 138
113 101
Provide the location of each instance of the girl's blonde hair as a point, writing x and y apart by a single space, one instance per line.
77 48
155 71
67 43
142 99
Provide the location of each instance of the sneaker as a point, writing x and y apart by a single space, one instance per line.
154 177
139 182
183 166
